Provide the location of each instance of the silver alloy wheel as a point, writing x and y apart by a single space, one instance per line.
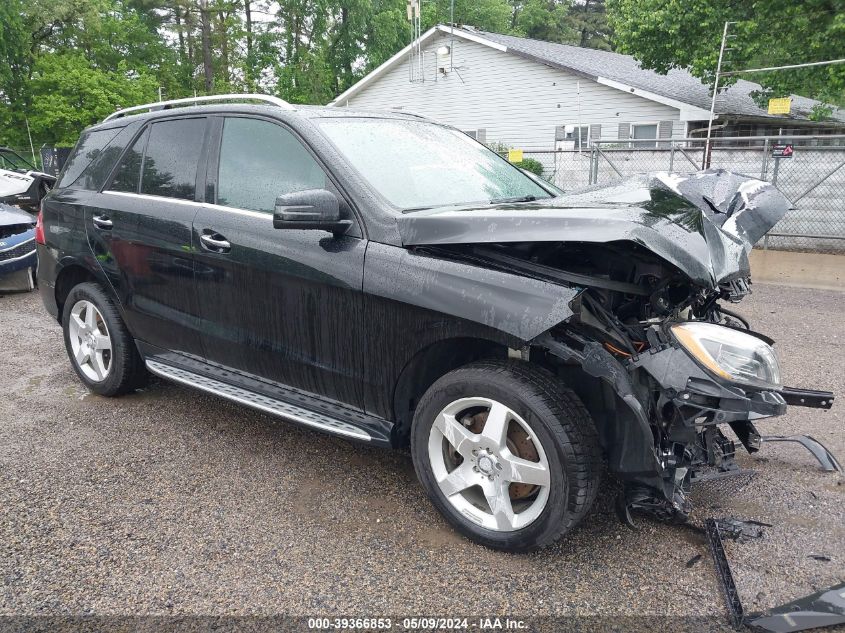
475 470
90 341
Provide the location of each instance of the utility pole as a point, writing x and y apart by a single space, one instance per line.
705 161
452 39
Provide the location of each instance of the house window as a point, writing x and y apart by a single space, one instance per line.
644 131
479 135
578 136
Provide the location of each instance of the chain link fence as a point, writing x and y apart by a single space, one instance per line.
47 158
26 154
813 178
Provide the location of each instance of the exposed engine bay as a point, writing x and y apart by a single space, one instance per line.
653 265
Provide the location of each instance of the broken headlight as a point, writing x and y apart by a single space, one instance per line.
730 354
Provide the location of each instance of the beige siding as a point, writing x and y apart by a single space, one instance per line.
518 101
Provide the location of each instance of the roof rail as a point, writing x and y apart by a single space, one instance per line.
162 105
402 110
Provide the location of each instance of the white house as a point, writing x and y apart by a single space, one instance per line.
538 95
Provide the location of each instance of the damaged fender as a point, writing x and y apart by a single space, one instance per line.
628 441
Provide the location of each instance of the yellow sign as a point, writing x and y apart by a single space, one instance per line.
780 106
515 155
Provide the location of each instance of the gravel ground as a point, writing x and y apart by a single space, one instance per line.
169 501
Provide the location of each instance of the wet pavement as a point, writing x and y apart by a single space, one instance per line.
169 501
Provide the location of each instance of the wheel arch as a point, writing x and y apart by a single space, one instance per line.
429 364
614 401
72 273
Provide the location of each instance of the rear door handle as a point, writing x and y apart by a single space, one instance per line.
102 222
215 242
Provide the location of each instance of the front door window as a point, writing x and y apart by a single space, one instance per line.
260 161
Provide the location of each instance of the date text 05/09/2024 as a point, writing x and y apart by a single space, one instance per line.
417 623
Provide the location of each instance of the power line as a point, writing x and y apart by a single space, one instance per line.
807 65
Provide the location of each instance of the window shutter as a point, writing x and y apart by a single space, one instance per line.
560 133
664 130
481 135
595 132
624 131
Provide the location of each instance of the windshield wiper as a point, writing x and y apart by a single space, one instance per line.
528 198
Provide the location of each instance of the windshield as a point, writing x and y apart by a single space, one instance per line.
11 161
418 164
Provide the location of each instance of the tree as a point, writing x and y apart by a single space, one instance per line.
205 30
589 19
487 15
249 65
546 20
665 34
72 95
386 32
24 28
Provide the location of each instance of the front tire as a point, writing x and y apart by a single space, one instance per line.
99 346
507 453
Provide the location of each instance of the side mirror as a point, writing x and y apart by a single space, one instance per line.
310 209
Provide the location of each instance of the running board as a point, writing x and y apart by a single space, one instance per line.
258 401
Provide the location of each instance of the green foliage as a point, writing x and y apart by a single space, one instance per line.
542 20
72 95
487 15
531 164
665 34
577 22
589 18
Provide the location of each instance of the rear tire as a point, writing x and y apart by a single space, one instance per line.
527 464
99 346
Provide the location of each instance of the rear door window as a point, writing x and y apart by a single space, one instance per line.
128 175
260 161
170 162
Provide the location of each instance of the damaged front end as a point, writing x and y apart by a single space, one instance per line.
650 345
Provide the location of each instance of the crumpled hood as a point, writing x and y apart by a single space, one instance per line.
704 224
12 183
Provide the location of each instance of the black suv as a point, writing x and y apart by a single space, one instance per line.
385 278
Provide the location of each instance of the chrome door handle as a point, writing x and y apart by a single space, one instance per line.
102 222
218 244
